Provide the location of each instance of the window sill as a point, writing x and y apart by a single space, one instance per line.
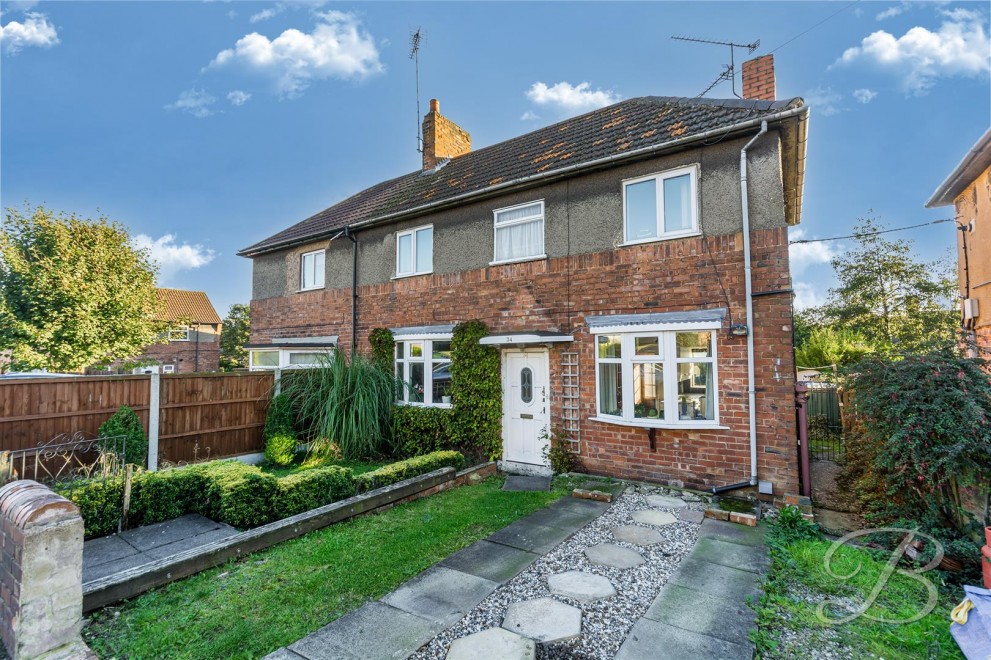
683 426
403 277
418 404
537 257
659 239
312 288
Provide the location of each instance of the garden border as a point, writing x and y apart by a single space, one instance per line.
133 581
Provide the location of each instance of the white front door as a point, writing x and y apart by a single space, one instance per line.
525 406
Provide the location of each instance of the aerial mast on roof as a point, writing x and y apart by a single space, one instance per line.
729 71
415 40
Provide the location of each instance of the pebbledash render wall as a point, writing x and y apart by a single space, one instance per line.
587 274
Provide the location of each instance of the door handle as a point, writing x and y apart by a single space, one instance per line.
526 416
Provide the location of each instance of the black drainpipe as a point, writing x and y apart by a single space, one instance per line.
354 290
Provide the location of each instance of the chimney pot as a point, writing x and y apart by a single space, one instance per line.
758 79
442 138
434 105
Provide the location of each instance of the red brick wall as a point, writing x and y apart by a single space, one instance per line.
758 78
557 294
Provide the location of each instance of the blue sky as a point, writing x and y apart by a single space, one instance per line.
206 126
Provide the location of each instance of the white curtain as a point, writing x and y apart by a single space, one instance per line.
609 399
710 393
520 241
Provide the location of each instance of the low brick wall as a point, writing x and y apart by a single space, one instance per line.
41 576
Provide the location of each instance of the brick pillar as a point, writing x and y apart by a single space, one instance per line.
758 78
41 578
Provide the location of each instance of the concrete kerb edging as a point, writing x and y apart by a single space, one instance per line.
133 581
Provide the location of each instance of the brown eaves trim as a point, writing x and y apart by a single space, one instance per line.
975 161
551 175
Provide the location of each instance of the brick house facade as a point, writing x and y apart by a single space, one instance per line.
648 407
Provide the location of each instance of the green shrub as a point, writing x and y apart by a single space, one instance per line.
160 496
558 452
280 449
100 503
240 495
280 419
476 388
420 430
411 467
383 348
790 526
125 422
314 488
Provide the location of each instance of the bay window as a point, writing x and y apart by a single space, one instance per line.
519 232
660 206
424 366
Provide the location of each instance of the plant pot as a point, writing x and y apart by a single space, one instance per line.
445 399
986 558
987 536
950 564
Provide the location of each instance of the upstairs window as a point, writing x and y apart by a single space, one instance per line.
519 232
311 267
424 365
179 333
660 206
415 252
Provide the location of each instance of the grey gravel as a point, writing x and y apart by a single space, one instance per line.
605 623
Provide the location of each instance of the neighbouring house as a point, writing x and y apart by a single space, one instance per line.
968 190
191 344
608 257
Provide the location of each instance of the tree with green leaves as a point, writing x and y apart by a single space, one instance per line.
73 291
888 298
233 336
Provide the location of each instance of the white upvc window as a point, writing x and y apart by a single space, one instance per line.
275 358
519 232
311 270
415 251
179 333
661 206
168 368
657 378
424 365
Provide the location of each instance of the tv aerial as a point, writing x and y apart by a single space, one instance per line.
729 70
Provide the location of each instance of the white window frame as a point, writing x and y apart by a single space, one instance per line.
670 359
179 333
413 242
168 368
427 360
496 226
659 178
284 354
302 270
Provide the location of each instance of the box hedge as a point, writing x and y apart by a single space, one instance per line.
418 430
411 467
314 488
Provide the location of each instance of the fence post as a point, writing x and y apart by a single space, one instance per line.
278 381
801 398
154 396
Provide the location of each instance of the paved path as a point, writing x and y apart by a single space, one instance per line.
111 554
702 611
404 620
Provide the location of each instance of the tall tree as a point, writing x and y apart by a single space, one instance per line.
233 336
73 291
888 297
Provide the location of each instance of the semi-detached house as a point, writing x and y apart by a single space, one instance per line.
608 256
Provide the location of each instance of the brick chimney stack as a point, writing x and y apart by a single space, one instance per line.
758 79
442 138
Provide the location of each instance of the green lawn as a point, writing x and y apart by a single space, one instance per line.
272 598
357 466
799 581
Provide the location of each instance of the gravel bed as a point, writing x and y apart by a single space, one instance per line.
605 623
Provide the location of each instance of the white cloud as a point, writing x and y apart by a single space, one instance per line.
171 256
266 14
237 97
960 47
803 255
570 98
824 100
36 30
864 95
196 102
21 5
529 115
891 12
807 295
338 47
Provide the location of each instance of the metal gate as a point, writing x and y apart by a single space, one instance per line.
824 422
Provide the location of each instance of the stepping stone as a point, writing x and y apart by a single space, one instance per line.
656 518
690 515
492 644
666 502
586 587
615 556
544 620
516 482
637 535
613 488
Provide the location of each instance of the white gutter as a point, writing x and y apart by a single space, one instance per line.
748 285
552 174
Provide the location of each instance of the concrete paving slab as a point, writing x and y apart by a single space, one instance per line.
637 535
219 534
106 549
652 640
530 537
566 519
745 557
703 613
98 571
717 580
170 531
690 515
441 594
584 506
666 502
375 630
579 585
515 482
492 561
652 517
727 531
492 644
616 556
544 620
282 654
612 487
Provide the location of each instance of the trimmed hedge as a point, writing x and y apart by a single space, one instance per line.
421 430
411 467
232 492
280 449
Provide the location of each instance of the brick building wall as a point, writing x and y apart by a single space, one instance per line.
558 293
